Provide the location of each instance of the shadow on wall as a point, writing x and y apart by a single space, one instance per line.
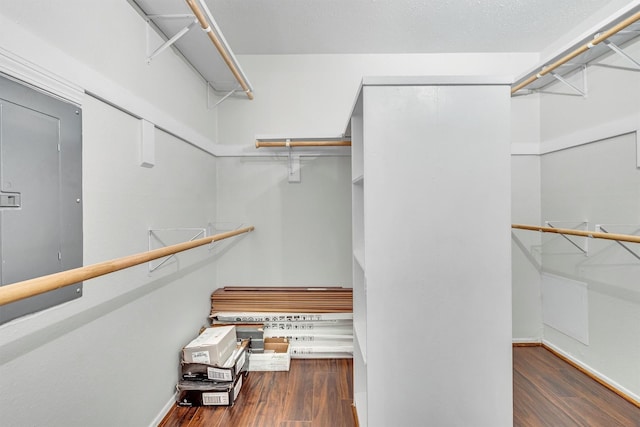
49 333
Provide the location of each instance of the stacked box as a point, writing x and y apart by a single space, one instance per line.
211 369
254 332
226 372
201 393
213 346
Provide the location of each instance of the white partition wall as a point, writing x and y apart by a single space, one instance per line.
431 240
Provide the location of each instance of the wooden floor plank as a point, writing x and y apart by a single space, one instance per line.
272 395
178 417
298 403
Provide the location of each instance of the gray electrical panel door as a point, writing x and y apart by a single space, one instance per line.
40 192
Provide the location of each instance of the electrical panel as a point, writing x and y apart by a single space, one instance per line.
40 192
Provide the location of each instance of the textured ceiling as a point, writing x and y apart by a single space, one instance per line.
391 26
397 26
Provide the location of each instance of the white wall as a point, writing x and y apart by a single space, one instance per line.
314 94
525 249
303 230
600 183
111 357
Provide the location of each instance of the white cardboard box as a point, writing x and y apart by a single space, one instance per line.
276 356
227 372
212 347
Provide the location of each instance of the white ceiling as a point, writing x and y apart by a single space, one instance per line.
391 26
375 26
397 26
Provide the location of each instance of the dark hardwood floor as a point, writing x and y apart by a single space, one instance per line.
315 392
547 392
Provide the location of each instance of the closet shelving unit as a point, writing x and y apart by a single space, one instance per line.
207 51
609 38
415 200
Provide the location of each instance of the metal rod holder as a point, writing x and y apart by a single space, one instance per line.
582 92
172 40
152 234
221 100
622 53
600 227
584 251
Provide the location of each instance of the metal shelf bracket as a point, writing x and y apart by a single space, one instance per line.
156 241
173 39
221 100
585 248
601 228
635 64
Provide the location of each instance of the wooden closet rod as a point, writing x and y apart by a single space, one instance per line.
204 23
593 234
39 285
303 143
599 38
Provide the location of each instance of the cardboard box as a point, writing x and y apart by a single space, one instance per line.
252 331
212 347
276 356
226 372
202 393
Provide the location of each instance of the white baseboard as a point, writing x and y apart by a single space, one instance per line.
526 340
613 384
164 411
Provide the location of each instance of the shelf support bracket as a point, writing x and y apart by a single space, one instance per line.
173 39
584 251
599 226
153 235
635 64
583 91
221 100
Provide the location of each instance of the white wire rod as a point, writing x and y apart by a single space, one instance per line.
249 89
567 83
604 230
622 53
171 41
